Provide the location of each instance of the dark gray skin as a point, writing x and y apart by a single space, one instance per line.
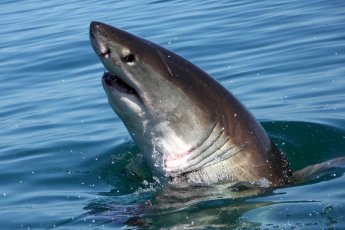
189 126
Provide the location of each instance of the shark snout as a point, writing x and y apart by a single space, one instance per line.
98 39
96 27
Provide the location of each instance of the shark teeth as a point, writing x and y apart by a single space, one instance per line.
118 83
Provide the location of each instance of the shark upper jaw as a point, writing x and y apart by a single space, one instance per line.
116 83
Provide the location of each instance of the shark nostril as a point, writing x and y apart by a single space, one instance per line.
105 53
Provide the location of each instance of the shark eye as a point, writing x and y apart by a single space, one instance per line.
129 58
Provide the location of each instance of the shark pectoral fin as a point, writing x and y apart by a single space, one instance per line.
318 170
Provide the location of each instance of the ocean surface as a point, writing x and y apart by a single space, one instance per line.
67 161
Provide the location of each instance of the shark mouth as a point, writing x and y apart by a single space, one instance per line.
117 83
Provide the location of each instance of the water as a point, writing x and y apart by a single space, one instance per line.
65 155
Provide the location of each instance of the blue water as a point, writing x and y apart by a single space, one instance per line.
64 154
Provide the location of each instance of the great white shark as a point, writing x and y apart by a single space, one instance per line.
189 126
